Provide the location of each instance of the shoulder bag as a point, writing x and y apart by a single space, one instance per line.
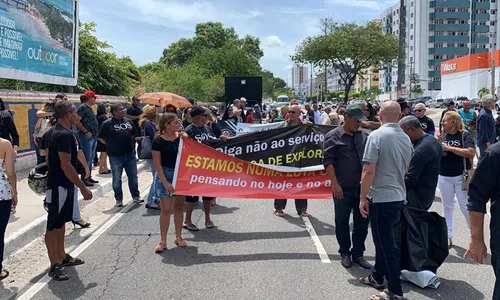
467 174
145 151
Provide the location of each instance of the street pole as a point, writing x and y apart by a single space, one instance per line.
493 50
411 75
311 81
401 49
326 64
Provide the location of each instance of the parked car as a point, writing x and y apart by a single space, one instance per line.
439 103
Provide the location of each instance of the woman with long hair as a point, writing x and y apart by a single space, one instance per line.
102 115
8 193
186 117
147 123
165 148
458 150
229 114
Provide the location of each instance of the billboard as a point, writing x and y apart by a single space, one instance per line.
39 40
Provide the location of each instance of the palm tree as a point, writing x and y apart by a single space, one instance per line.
483 91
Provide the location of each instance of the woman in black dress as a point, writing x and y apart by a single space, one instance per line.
102 115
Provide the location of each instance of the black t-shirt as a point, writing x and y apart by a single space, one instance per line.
168 150
427 124
119 136
134 111
200 134
185 123
451 164
59 139
310 116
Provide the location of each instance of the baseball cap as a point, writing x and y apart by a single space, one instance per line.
355 111
90 94
198 111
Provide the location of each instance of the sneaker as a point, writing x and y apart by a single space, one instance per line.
361 261
91 180
88 183
138 199
119 203
346 261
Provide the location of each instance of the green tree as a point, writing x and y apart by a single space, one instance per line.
227 61
483 91
375 92
270 84
416 88
348 48
337 94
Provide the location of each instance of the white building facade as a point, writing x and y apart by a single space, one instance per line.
436 31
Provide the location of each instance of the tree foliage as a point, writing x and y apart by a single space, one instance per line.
416 88
348 48
483 91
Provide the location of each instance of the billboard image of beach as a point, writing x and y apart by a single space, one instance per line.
38 36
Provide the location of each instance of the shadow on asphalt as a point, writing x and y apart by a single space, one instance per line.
458 258
9 293
75 291
226 236
216 210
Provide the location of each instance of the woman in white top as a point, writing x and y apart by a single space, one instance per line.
8 193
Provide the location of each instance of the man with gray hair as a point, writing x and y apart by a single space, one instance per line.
486 125
425 121
422 176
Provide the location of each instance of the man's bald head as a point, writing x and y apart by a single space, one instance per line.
420 106
296 109
420 110
390 112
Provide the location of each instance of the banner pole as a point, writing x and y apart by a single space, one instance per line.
177 161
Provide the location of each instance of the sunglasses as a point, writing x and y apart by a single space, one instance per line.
419 110
291 112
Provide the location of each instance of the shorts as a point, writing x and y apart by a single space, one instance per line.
60 207
194 199
160 191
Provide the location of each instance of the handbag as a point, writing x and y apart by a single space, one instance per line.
467 174
145 151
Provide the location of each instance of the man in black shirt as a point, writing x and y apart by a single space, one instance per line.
343 153
427 124
118 133
422 176
199 131
134 112
484 187
61 180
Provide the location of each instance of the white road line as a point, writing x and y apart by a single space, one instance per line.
38 286
317 242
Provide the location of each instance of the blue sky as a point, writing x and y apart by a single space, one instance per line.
141 29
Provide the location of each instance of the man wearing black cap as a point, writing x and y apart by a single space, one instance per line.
405 108
199 131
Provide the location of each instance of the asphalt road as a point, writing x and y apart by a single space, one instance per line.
250 255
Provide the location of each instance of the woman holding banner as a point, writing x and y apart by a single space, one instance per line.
164 148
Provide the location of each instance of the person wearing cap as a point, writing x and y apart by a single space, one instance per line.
343 151
427 124
405 108
387 155
199 131
88 129
118 134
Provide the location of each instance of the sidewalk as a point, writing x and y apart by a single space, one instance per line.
29 220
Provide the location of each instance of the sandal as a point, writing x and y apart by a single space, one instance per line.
386 295
279 213
190 227
57 273
105 172
209 224
304 214
180 242
160 247
369 280
4 274
70 261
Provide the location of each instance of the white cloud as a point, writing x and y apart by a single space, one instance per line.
370 4
299 10
184 15
288 67
272 41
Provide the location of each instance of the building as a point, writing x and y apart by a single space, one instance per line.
367 79
300 81
466 75
436 31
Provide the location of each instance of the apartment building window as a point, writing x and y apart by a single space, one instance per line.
411 37
463 33
411 48
463 9
451 10
462 45
464 22
411 26
439 10
411 16
411 4
438 45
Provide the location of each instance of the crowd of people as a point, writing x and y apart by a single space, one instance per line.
378 162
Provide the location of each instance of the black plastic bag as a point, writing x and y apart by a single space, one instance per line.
422 238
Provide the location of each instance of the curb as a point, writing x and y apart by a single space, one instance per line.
36 228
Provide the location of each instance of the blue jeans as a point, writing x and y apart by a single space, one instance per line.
89 146
152 190
495 262
129 163
383 218
343 208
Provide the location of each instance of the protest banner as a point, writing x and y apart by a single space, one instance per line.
231 129
203 171
296 147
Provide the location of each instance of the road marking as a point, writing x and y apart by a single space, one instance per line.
317 242
40 284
